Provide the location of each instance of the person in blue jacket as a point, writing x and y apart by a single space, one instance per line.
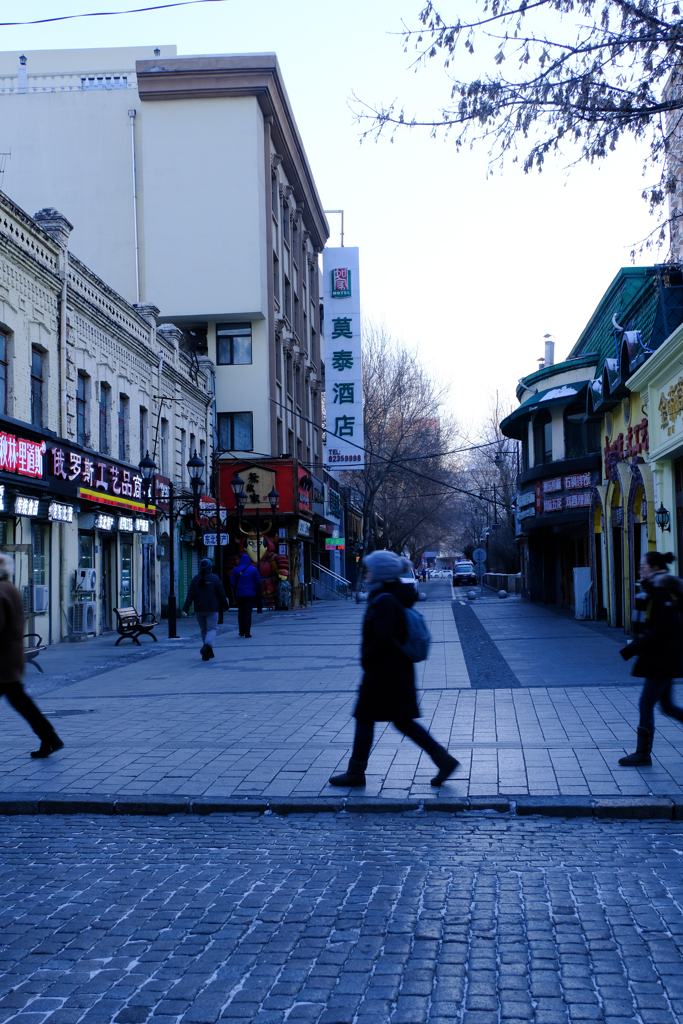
245 580
208 596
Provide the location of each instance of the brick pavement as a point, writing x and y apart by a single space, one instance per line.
270 717
385 919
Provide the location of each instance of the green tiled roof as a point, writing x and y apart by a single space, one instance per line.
633 296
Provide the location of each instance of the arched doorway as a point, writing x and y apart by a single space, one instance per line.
617 531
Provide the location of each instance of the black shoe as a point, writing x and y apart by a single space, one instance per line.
446 765
205 652
48 747
211 654
354 776
641 758
247 636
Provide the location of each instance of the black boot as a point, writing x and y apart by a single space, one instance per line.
354 776
641 758
446 764
211 654
48 746
205 652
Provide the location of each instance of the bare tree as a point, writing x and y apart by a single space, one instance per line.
407 503
487 513
582 74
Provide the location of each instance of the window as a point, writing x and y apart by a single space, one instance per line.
36 388
276 277
580 438
279 438
202 454
288 300
525 449
274 194
81 419
3 374
104 402
164 447
233 344
126 584
543 438
41 554
183 454
235 431
290 374
143 431
123 427
285 221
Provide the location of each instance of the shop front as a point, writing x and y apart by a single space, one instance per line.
660 383
276 534
79 531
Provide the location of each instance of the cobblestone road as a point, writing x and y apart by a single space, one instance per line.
340 919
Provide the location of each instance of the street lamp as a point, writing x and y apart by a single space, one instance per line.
148 467
662 518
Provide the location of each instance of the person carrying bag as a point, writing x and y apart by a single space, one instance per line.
659 650
394 638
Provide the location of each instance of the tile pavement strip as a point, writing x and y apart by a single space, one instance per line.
270 719
344 919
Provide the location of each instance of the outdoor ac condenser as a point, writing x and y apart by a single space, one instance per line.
85 617
41 599
86 580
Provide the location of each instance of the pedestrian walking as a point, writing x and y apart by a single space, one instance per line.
659 650
387 690
12 662
245 580
208 596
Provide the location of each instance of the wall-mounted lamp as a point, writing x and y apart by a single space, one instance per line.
663 518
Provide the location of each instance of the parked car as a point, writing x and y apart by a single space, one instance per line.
464 574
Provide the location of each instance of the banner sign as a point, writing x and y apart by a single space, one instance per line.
344 387
334 542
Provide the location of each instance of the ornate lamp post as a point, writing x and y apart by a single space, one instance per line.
663 518
195 466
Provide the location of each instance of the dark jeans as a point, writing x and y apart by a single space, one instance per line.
362 743
657 690
22 703
244 609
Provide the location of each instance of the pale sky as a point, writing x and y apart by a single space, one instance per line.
469 270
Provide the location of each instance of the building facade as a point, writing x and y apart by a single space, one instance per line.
88 383
585 505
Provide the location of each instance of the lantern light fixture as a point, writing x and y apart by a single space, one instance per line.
663 518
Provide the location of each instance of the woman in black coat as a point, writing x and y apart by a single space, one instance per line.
659 650
387 690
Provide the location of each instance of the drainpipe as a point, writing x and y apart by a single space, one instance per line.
131 115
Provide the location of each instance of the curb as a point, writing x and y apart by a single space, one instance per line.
626 807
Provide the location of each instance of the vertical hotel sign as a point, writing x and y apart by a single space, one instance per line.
343 371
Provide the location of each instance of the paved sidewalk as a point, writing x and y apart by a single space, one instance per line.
271 716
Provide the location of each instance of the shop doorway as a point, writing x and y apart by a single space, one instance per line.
23 578
618 561
147 580
108 586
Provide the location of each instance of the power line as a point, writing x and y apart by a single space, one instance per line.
406 469
108 14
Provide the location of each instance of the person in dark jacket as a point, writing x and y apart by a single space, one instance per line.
659 650
208 596
12 662
387 689
245 580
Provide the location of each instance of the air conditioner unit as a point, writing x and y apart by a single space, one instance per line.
86 580
41 600
85 617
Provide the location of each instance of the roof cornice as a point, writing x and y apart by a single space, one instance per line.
232 75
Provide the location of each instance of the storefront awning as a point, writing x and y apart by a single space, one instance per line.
561 394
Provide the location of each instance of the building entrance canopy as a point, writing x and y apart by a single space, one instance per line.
561 394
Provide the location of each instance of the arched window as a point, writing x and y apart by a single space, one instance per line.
543 438
581 438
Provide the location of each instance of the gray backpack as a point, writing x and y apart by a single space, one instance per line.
419 638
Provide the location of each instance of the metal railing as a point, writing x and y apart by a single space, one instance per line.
331 581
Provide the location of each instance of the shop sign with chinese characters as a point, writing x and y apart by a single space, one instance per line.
344 378
18 455
98 480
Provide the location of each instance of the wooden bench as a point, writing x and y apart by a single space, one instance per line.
131 625
33 650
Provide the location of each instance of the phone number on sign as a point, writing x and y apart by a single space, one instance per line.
344 458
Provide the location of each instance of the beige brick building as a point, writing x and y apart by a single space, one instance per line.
88 383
